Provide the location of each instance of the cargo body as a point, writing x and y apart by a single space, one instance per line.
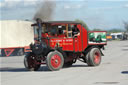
15 36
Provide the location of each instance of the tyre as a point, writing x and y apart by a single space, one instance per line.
93 57
30 62
55 61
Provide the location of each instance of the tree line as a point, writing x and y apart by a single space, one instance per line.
109 31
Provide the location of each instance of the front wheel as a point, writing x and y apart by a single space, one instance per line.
93 58
55 60
30 62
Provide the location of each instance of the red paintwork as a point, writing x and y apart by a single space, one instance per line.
96 57
27 49
65 43
85 38
55 61
8 51
76 44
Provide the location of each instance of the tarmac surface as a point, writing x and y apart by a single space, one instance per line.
112 71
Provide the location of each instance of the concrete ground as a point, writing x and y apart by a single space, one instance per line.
112 71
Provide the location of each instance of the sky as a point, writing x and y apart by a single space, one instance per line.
101 14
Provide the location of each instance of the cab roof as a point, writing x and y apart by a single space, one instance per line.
59 22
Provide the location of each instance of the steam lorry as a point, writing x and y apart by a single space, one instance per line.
61 43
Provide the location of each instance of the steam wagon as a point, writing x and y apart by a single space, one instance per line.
62 43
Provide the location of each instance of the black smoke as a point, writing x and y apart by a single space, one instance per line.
46 10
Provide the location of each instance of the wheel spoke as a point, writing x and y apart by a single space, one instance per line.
55 61
31 63
96 58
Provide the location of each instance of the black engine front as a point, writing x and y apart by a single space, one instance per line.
39 48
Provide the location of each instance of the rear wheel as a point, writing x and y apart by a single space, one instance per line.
93 58
55 61
31 63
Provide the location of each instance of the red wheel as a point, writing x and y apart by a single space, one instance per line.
55 60
31 63
97 57
93 57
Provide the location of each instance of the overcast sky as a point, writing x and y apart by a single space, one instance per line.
103 14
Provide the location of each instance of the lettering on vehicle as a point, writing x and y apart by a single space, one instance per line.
61 42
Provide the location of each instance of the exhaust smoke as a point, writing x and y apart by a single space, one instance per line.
46 11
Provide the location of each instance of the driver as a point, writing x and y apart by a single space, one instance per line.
75 31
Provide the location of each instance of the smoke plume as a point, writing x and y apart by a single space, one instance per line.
46 11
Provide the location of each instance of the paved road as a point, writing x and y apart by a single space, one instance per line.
112 71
